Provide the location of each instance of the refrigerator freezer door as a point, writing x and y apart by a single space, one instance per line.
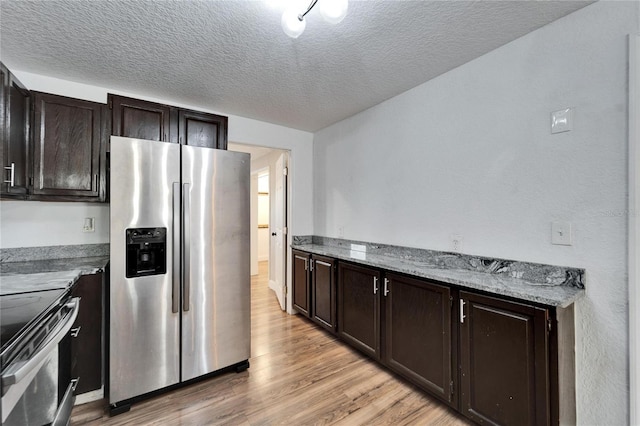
216 329
144 346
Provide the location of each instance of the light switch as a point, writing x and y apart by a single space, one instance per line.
562 121
561 233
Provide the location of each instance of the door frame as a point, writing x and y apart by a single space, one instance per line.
634 227
287 279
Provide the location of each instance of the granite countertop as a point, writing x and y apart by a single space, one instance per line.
441 266
46 274
85 265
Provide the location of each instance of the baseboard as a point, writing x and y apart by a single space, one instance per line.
272 285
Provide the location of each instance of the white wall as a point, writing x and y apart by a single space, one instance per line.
19 219
470 153
33 223
634 224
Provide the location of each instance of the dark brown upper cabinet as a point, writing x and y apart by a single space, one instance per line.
68 149
135 118
418 331
504 365
15 102
202 129
359 307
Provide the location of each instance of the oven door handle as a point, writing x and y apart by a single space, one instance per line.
16 372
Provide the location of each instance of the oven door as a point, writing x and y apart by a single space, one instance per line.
30 385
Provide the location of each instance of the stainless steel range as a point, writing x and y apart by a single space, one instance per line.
37 388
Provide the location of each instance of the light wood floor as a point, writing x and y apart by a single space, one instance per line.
299 375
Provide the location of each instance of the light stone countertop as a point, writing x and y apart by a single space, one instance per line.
543 293
47 274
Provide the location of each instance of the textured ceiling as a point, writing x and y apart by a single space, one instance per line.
232 56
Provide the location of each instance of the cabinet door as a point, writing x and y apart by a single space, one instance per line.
358 307
86 347
4 85
68 149
202 129
16 101
504 361
323 291
135 118
418 333
301 291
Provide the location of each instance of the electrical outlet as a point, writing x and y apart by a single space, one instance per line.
561 233
562 121
456 243
89 224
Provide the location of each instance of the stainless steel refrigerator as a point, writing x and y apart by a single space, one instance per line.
179 297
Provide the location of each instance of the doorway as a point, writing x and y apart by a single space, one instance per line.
269 214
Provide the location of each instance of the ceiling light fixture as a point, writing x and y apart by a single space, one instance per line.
332 11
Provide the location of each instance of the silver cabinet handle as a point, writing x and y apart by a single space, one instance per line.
186 231
311 265
75 331
306 264
175 287
375 285
12 174
96 185
462 315
386 286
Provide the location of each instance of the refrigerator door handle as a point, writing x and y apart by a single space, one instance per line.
186 237
175 286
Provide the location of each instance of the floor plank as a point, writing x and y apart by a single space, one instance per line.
299 375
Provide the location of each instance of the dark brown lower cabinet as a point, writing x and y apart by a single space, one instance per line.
504 354
417 333
323 291
86 348
498 362
359 307
300 273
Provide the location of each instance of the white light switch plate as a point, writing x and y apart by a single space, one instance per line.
562 121
561 233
